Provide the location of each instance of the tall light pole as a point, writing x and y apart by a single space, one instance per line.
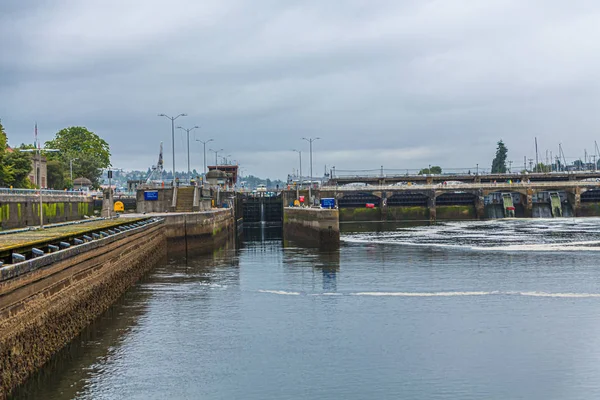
204 145
71 167
310 141
39 179
173 137
188 146
216 156
300 181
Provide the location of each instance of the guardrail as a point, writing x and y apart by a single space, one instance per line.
504 185
45 192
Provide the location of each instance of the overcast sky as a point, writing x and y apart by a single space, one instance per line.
397 83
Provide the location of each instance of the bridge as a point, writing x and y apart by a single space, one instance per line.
466 200
383 178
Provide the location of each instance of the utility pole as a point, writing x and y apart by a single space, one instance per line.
173 137
216 157
310 141
531 165
71 168
536 156
204 145
39 150
300 173
510 166
188 148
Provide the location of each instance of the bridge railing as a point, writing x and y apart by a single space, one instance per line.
502 185
45 192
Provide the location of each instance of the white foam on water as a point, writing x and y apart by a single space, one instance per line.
563 295
423 294
280 292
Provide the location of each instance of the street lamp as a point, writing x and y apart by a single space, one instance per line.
39 179
216 156
204 145
310 141
188 147
173 137
71 167
300 173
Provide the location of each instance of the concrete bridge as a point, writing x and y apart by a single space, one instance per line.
466 201
386 179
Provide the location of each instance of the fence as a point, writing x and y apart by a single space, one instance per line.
45 192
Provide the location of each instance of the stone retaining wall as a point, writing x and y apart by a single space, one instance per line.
43 310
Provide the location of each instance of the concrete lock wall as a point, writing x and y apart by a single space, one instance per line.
200 231
22 211
43 309
162 204
312 226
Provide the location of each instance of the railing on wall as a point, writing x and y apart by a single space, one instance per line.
45 192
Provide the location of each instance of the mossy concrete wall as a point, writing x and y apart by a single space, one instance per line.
314 227
22 211
406 213
456 212
42 310
589 210
362 214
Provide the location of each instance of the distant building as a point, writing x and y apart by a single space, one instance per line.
231 170
39 171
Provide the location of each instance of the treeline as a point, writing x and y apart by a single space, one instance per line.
76 153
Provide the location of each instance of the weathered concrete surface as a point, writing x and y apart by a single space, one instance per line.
456 212
25 240
43 309
196 231
18 211
312 226
167 200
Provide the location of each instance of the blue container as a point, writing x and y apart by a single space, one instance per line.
327 203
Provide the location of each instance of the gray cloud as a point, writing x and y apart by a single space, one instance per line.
394 83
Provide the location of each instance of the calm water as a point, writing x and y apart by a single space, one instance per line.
496 310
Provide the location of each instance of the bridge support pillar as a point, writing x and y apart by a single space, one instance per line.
574 197
528 209
479 206
431 206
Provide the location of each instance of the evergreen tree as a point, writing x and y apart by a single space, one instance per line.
499 162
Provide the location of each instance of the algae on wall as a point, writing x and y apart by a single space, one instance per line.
407 213
456 212
360 214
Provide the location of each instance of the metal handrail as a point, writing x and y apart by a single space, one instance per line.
36 192
462 186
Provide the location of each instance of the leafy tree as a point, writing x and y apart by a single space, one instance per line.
92 152
4 170
437 170
19 164
499 162
56 175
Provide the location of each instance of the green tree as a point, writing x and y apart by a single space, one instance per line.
499 162
437 170
4 170
56 175
19 163
91 151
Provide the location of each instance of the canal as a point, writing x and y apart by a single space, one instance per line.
496 310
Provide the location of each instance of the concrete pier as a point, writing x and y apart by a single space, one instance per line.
312 226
